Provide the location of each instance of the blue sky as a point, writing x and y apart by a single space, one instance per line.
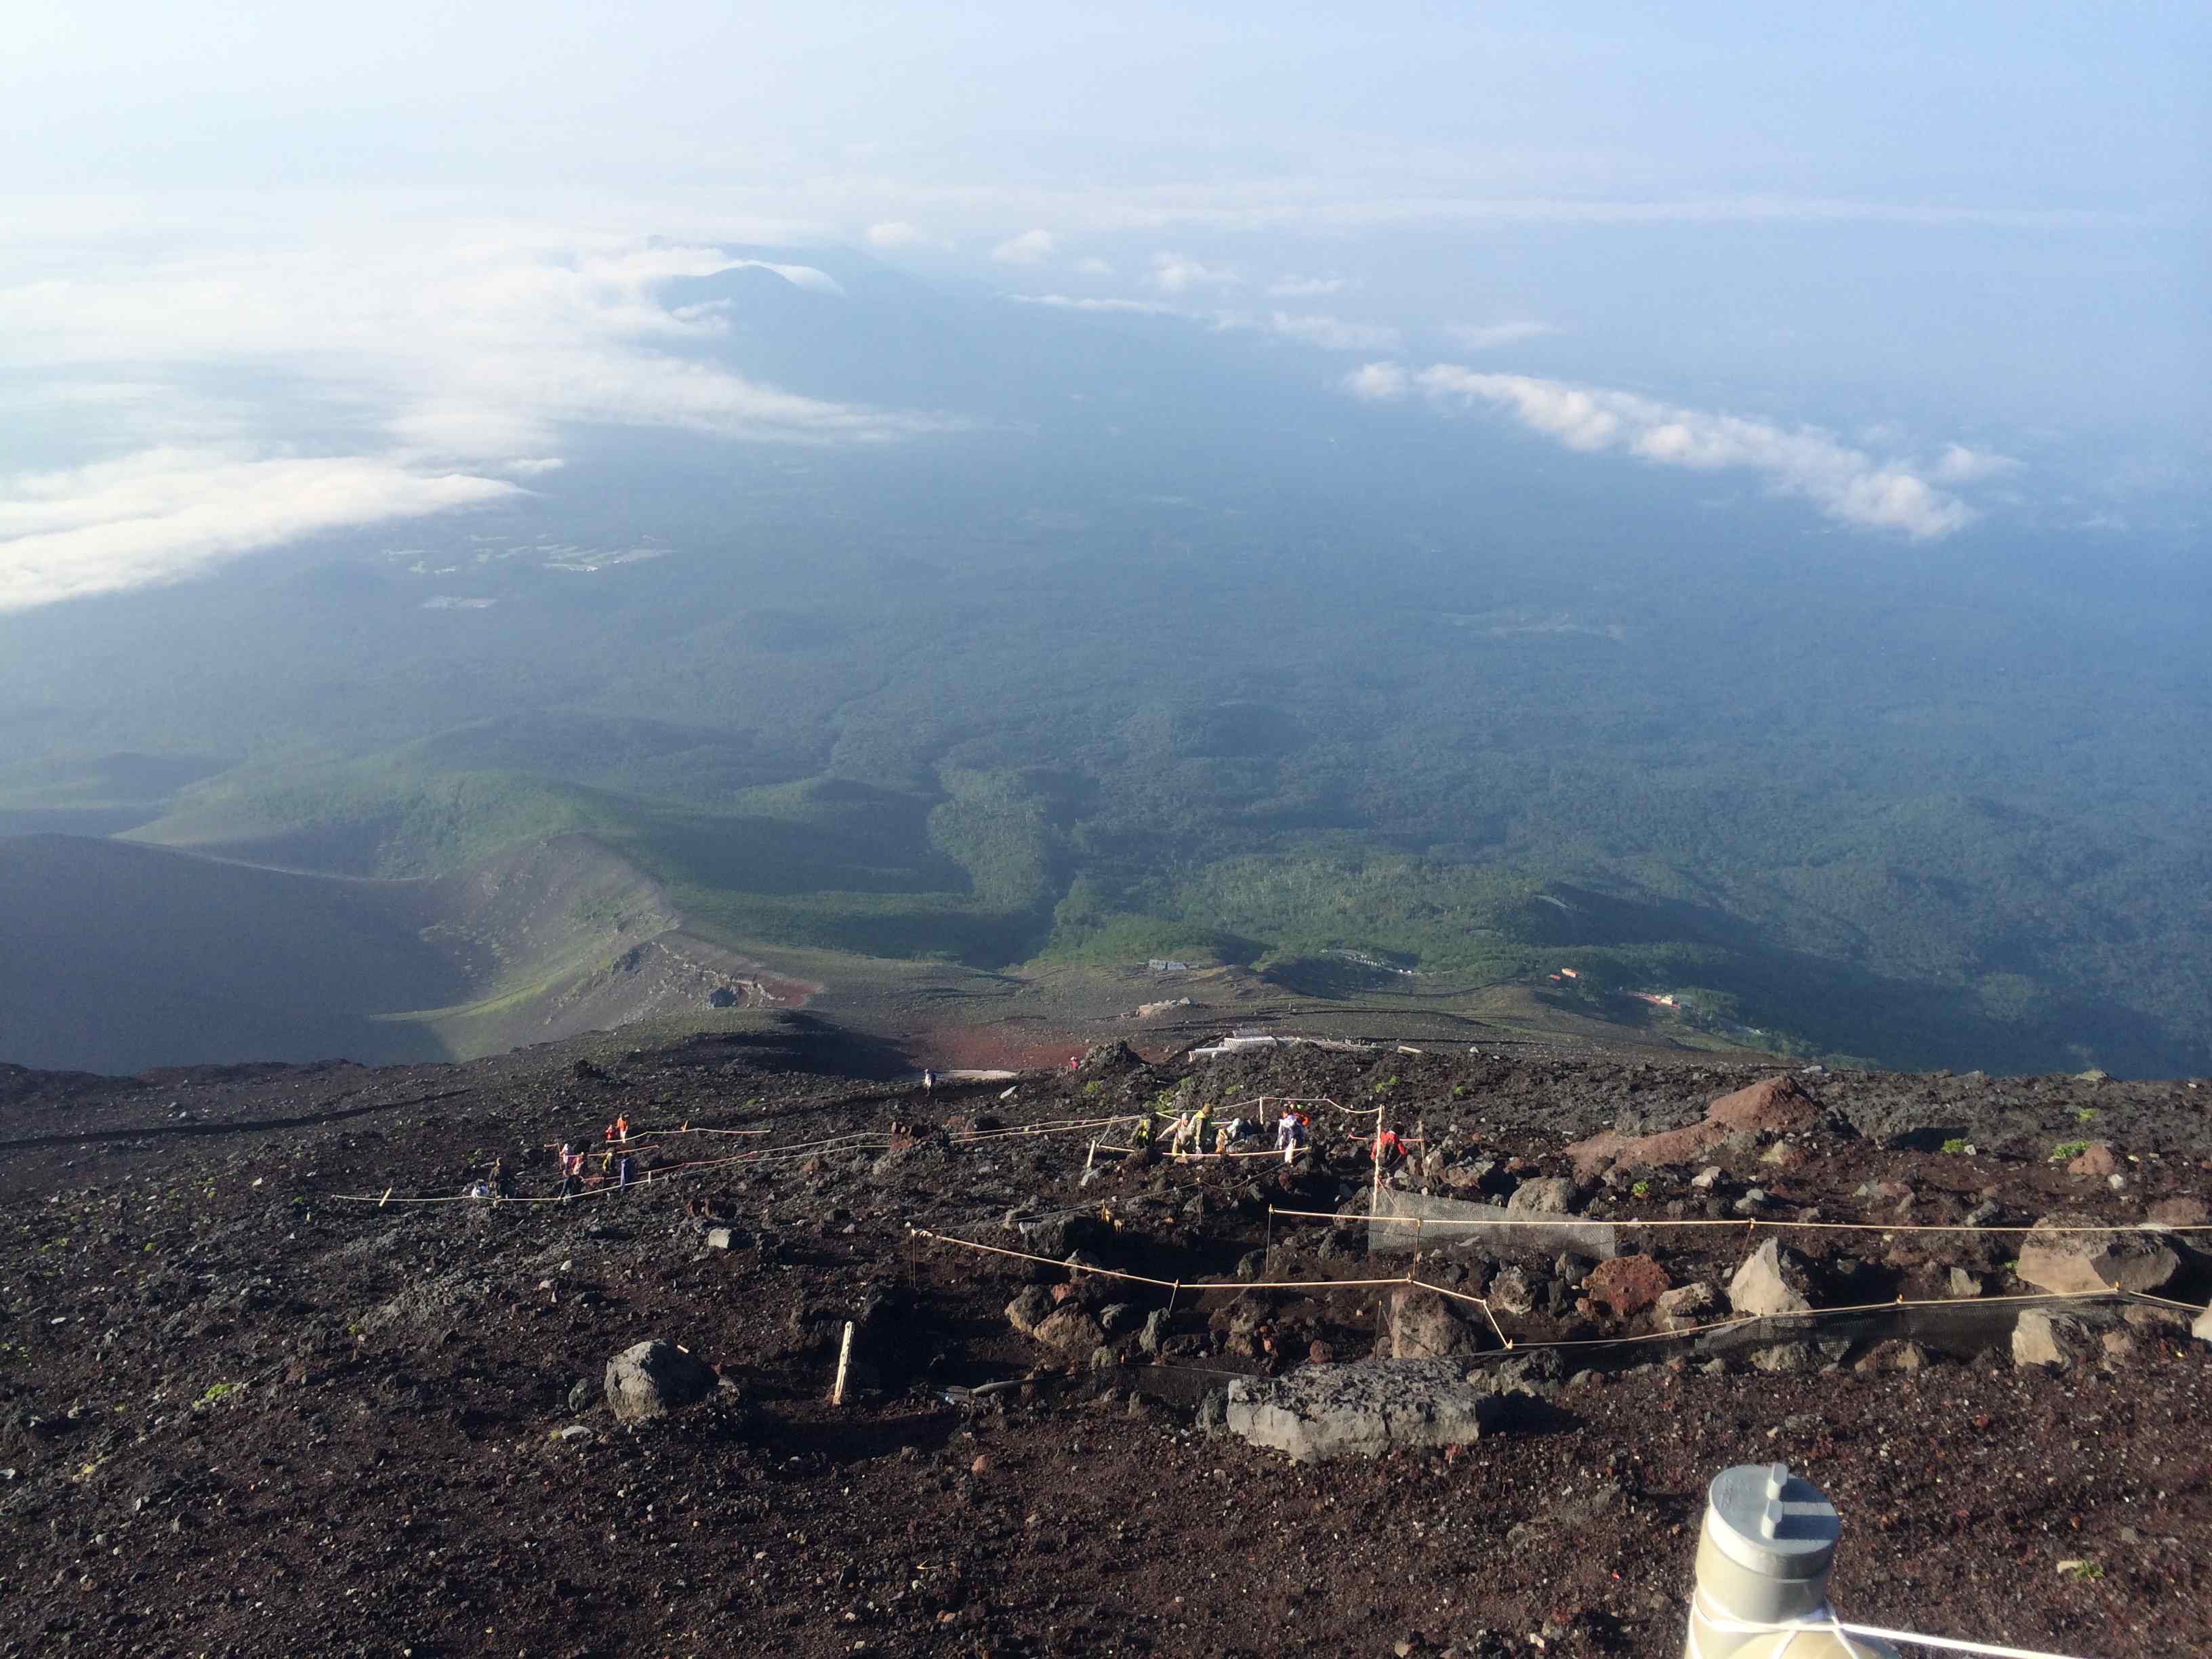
1909 229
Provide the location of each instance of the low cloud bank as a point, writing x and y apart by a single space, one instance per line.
425 367
164 514
1845 483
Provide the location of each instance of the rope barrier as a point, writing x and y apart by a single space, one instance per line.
1178 1286
1825 1621
1737 1222
1740 1320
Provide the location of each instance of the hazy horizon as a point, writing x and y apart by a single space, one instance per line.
266 275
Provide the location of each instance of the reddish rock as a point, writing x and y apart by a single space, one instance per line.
1773 1107
2181 1212
1626 1285
1593 1156
2097 1161
1776 1106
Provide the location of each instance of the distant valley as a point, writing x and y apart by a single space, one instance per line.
1148 644
123 957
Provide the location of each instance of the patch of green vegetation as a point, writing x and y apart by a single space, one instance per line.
2065 1151
380 817
1956 1146
1412 769
216 1394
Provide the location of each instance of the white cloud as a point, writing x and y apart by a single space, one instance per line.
1378 383
895 233
1093 266
1084 302
806 276
419 366
1173 274
163 515
1487 336
1845 483
1960 464
1030 248
1334 334
1306 288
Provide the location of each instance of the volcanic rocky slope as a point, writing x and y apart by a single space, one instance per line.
254 1400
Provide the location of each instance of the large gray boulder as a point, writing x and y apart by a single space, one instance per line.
1057 1235
1772 1280
1320 1412
2201 1329
2072 1263
651 1379
2046 1339
1554 1195
1687 1305
1065 1325
1424 1325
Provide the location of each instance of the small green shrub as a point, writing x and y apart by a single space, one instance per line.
1642 1189
1956 1145
2067 1150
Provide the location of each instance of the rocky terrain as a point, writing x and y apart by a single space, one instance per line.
255 1398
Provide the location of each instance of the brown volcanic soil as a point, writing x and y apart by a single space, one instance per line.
242 1417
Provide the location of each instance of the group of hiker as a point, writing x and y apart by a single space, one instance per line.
1191 1134
1194 1133
616 1160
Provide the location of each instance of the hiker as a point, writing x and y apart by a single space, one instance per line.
1141 1136
1286 1136
1388 1147
499 1177
608 1134
929 1081
1201 1123
622 1171
621 1128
